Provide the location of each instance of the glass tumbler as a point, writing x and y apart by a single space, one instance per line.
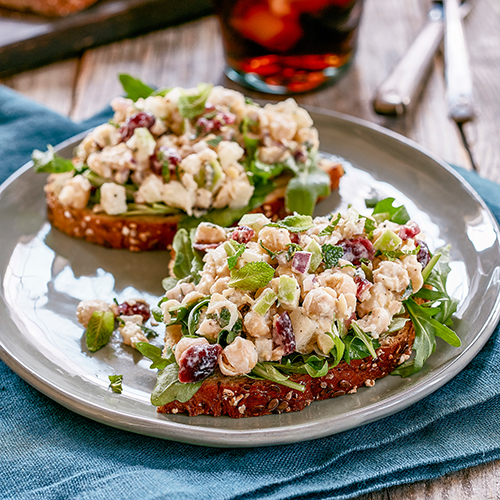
288 46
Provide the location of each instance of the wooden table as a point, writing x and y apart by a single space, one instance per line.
191 53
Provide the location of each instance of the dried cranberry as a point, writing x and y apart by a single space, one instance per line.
198 362
423 255
363 285
295 238
357 249
283 333
300 156
206 124
242 234
164 155
409 231
127 309
141 119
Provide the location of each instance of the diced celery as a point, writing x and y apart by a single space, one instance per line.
316 257
218 173
288 291
255 221
264 302
368 272
230 247
389 241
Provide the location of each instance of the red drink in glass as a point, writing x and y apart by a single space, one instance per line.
288 46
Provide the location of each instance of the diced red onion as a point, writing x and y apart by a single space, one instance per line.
301 261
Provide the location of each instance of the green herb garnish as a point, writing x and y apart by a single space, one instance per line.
331 255
168 388
50 162
251 276
295 223
99 330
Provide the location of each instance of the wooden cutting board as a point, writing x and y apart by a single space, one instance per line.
29 40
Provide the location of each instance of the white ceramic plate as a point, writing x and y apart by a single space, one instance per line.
45 274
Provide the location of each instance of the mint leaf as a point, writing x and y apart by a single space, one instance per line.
397 254
331 227
169 283
234 251
154 353
295 223
193 105
398 215
331 255
168 388
49 161
370 225
115 382
134 88
251 276
99 330
215 141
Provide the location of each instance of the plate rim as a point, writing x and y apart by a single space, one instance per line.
233 438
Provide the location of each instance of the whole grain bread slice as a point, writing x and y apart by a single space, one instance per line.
139 233
244 397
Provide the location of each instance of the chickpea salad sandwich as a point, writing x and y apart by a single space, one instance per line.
175 157
269 316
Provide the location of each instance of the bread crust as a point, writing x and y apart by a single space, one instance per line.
48 7
240 397
140 233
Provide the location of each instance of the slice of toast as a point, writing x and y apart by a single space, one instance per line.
244 397
139 233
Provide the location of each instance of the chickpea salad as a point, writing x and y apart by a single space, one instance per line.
206 153
269 299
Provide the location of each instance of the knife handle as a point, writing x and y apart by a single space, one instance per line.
403 85
461 107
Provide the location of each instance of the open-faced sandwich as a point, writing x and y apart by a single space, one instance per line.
176 157
267 317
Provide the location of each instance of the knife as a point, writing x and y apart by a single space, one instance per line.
402 87
461 107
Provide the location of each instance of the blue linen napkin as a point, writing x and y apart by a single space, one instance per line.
48 452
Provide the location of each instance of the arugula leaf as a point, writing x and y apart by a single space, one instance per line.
251 276
268 372
396 324
331 227
153 209
115 382
227 337
371 202
361 335
331 255
134 88
426 331
385 207
193 105
168 388
303 191
338 350
188 261
99 330
194 316
183 254
295 223
437 279
49 161
154 353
